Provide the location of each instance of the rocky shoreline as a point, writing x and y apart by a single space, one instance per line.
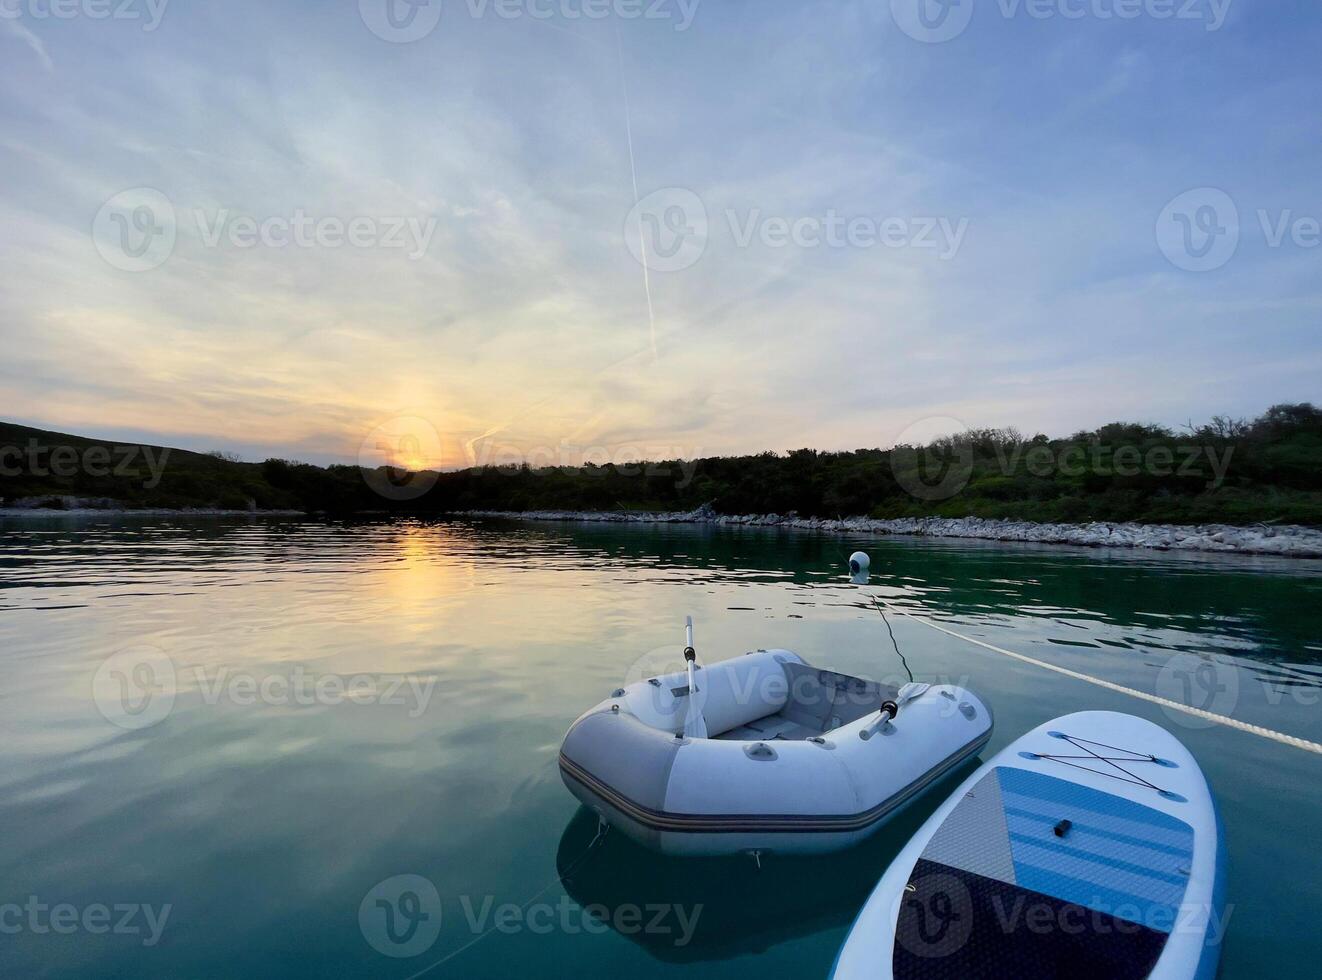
1288 540
1292 541
67 505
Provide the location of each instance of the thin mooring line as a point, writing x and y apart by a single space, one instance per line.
1243 726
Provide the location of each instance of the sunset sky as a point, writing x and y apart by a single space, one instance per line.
895 229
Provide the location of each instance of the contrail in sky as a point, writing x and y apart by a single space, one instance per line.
633 172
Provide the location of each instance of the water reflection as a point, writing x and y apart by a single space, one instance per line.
273 818
739 907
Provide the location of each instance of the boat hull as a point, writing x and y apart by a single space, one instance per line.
722 796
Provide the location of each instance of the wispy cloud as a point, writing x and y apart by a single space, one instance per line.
37 46
1058 143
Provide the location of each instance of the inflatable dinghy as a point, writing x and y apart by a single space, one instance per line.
1088 848
771 755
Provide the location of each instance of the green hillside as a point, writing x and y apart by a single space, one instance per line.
133 474
1228 471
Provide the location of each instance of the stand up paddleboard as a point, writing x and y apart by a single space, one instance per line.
1090 847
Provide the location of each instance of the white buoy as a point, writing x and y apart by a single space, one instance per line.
859 563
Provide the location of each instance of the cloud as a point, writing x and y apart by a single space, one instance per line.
527 316
38 47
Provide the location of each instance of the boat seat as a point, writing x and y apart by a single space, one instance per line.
819 701
823 700
769 729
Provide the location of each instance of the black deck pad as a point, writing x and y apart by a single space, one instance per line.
957 925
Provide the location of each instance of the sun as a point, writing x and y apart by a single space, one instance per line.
409 443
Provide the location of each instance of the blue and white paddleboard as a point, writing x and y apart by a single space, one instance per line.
1090 847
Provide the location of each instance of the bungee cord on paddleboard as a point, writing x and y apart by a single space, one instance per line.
1125 776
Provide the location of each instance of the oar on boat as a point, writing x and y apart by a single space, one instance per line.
695 726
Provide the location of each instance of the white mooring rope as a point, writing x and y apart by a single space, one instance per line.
1243 726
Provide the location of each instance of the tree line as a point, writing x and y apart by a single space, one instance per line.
1228 470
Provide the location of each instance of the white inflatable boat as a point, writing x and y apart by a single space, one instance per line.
778 757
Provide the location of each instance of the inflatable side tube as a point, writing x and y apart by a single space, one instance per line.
712 796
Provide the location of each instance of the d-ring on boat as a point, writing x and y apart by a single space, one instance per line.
765 753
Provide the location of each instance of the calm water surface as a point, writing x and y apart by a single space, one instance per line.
353 703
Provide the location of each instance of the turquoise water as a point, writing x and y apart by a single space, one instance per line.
334 706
